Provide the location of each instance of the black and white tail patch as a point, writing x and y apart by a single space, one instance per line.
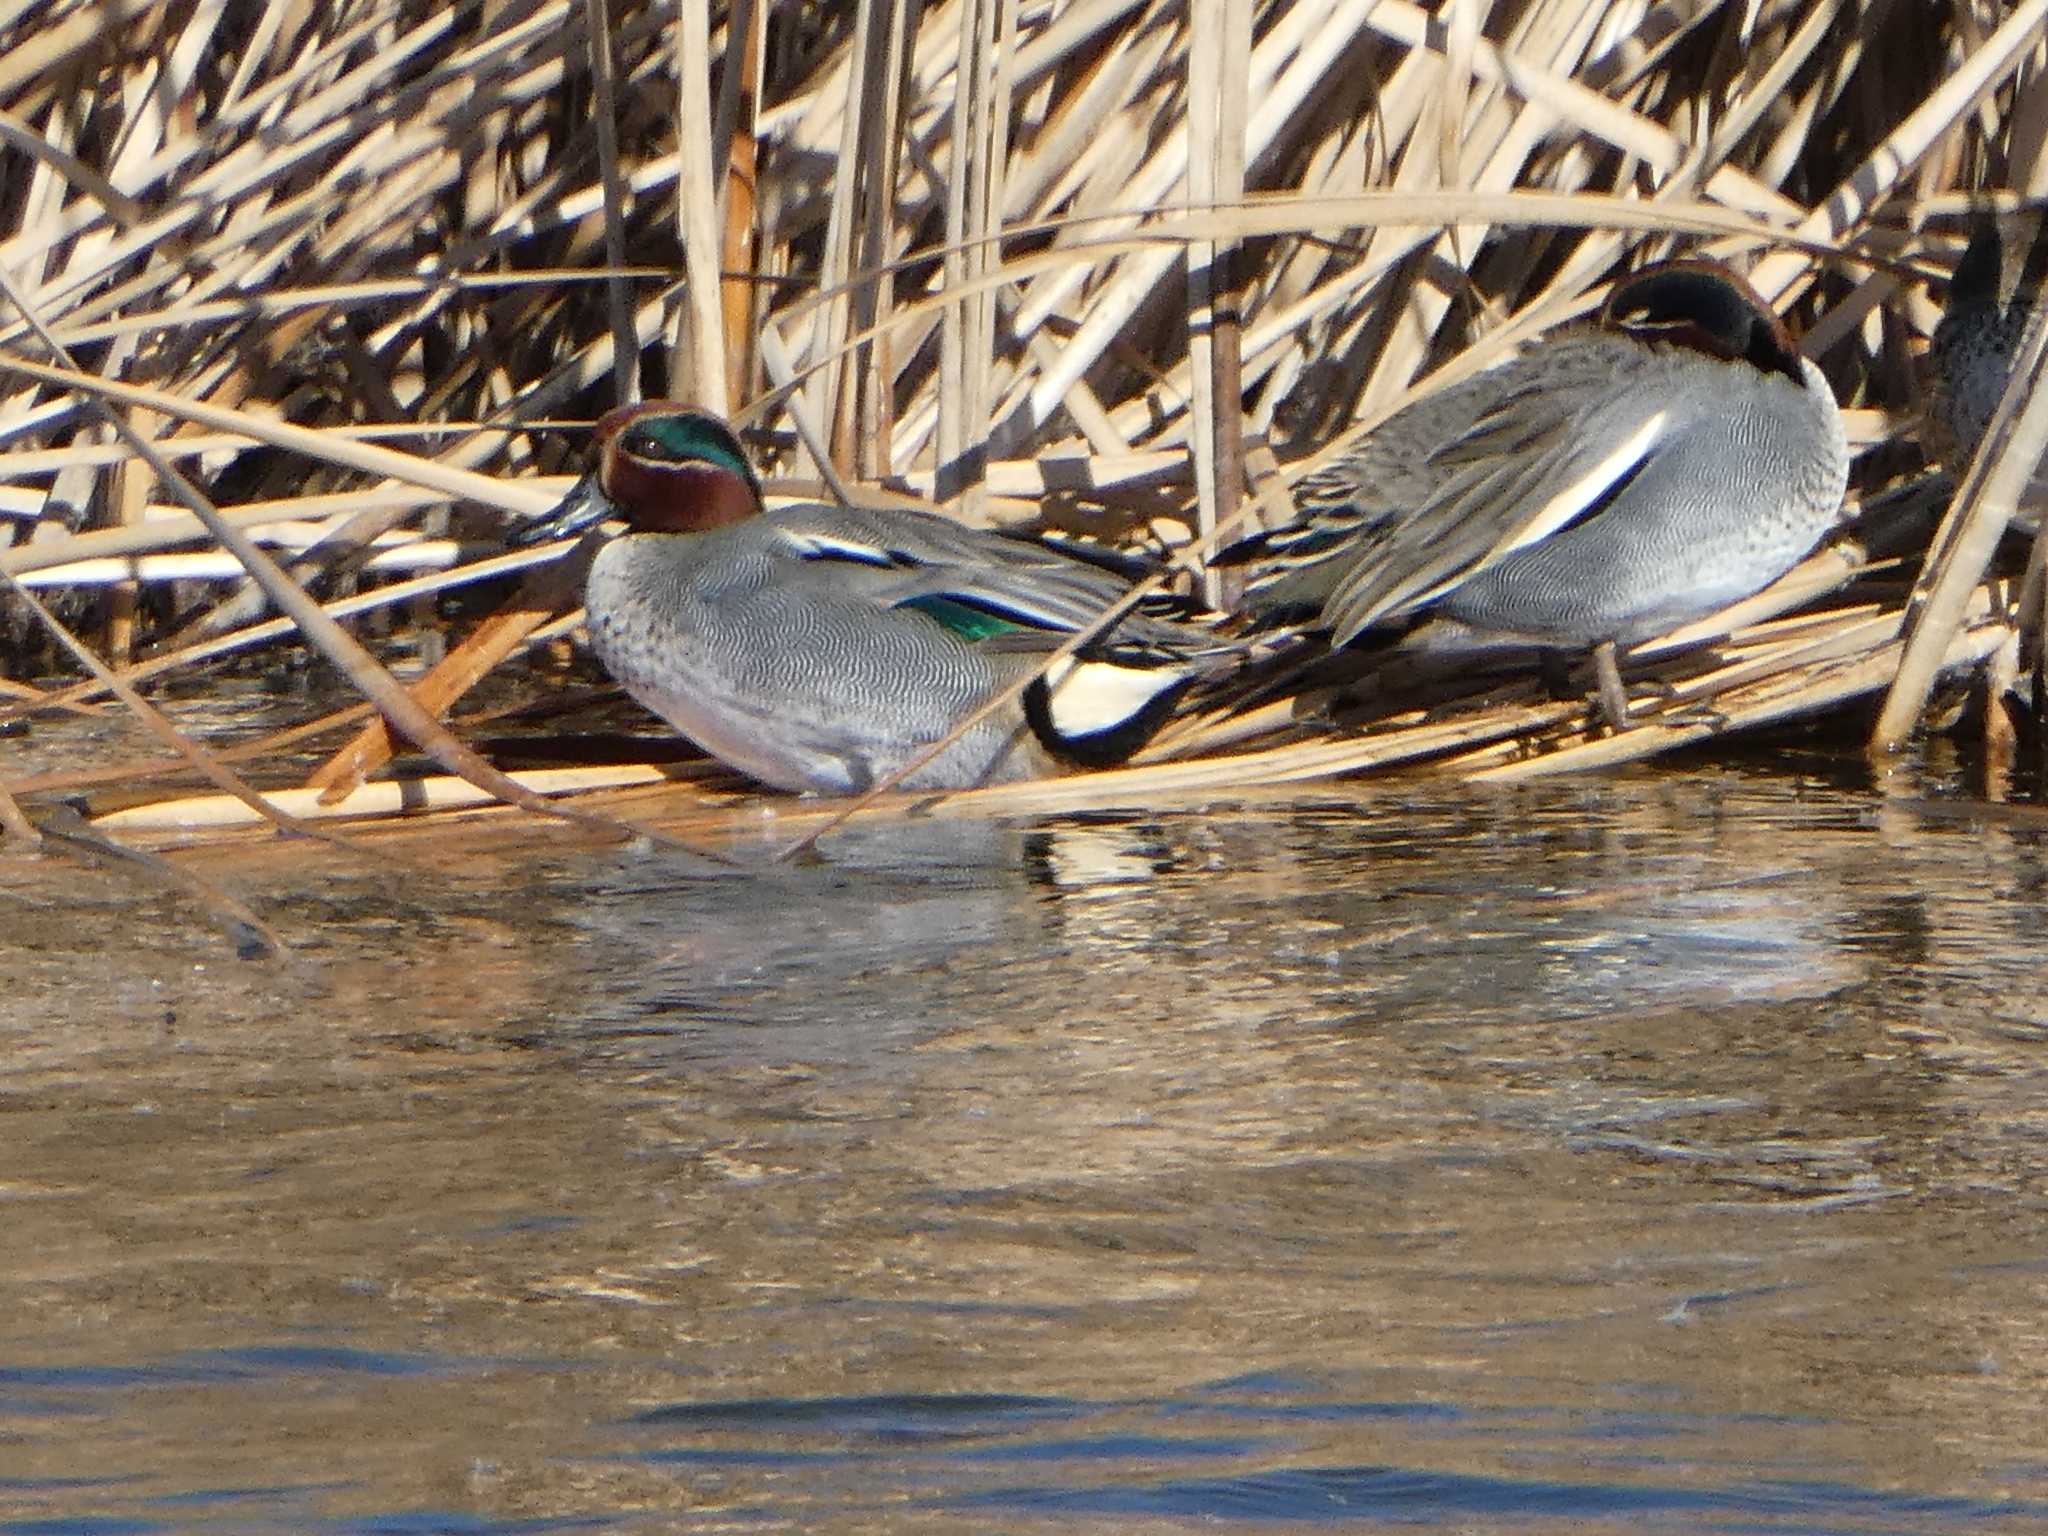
1097 713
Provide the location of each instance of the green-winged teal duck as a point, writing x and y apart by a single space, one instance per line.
1996 286
820 648
1608 484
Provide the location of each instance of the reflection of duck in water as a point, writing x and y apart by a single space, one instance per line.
889 941
821 648
1606 486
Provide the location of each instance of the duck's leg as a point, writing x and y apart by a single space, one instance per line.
1613 697
1564 681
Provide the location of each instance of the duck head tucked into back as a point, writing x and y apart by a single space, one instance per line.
821 648
1704 306
1606 485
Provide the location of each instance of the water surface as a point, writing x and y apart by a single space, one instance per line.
1664 1152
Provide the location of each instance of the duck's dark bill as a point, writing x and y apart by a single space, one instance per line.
584 507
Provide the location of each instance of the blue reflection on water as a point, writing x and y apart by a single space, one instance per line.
1398 1495
935 1449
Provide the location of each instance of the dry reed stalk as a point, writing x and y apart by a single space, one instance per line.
1219 57
15 827
703 241
207 764
737 131
453 676
604 118
192 655
131 772
411 797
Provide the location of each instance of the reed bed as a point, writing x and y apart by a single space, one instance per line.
304 303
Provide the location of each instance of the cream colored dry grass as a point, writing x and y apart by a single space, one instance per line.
345 266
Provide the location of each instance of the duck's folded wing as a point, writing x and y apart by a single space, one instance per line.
975 582
1036 616
1559 449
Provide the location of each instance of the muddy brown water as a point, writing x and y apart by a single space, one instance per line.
1667 1151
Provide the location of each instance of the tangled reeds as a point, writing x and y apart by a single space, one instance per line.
303 302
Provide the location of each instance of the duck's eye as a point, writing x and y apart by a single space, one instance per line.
646 443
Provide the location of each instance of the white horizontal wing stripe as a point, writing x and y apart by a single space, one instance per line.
1585 490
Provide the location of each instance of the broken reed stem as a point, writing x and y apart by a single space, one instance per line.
704 382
